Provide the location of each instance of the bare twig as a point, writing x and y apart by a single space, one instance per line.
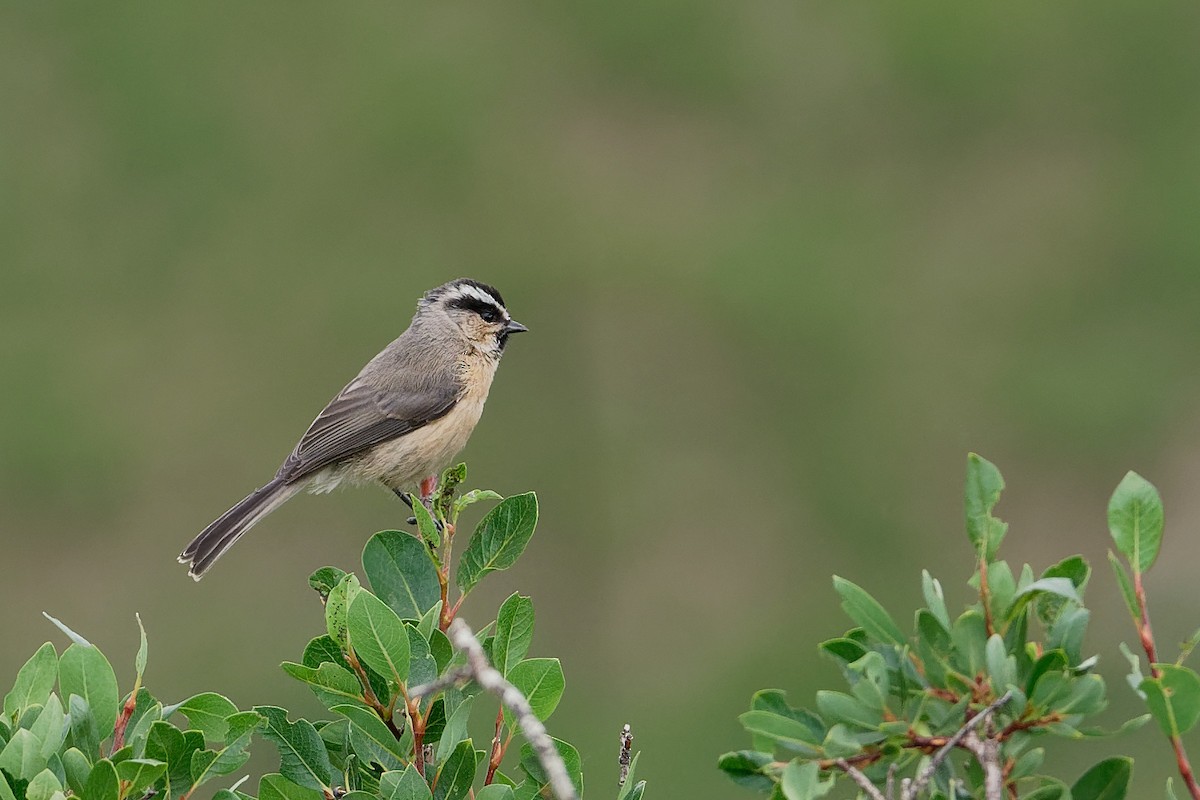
490 680
626 755
864 783
987 753
917 786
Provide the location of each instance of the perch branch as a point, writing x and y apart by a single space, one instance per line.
914 790
491 681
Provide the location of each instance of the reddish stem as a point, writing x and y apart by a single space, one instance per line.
119 731
497 749
1147 637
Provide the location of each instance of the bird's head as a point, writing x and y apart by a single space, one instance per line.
476 310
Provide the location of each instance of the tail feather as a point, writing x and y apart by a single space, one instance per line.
226 529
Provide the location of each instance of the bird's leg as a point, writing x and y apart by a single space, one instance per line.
428 487
408 501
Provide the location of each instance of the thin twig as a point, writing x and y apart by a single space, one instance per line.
864 783
914 790
490 680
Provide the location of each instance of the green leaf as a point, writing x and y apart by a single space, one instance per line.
240 729
72 635
421 666
802 781
873 685
1135 676
426 526
747 768
867 612
332 684
541 681
837 707
140 773
146 712
139 660
50 727
320 650
1173 698
514 632
451 478
983 487
206 712
1107 780
1002 668
22 756
498 540
379 637
1067 633
276 787
455 730
969 637
791 733
840 742
76 769
45 786
1052 789
401 573
84 733
1061 587
775 701
1127 593
367 724
302 756
406 785
935 599
474 496
1086 696
84 671
337 604
323 580
35 681
103 783
455 776
495 791
167 743
1135 520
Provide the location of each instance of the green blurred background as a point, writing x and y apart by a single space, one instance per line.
784 264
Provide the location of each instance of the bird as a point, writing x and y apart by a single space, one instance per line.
403 418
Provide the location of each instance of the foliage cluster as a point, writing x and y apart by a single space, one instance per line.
996 681
66 731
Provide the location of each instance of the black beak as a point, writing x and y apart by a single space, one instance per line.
512 326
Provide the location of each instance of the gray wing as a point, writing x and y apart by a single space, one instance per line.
361 417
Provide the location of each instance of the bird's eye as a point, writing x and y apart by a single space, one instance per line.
488 315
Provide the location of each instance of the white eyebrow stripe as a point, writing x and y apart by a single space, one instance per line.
467 290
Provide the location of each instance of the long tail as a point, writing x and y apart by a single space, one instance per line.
226 529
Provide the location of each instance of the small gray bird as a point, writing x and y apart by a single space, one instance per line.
403 419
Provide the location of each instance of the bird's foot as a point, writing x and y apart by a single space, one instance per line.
425 500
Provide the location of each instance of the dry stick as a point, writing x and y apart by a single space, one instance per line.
864 783
987 753
1147 637
916 787
625 758
490 680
